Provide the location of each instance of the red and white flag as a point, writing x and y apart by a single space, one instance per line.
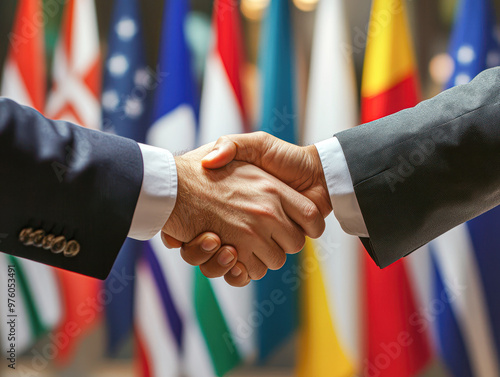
75 98
24 77
75 95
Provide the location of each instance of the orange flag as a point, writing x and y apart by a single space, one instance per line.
390 84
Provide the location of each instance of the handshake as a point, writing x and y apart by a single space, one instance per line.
256 195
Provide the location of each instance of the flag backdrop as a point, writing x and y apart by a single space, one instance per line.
126 89
465 260
24 80
329 337
389 85
279 117
75 97
188 325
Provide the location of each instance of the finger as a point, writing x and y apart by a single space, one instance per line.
220 263
222 154
263 254
289 236
201 249
237 276
170 242
256 268
303 211
272 256
244 147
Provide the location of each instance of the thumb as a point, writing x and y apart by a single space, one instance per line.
223 152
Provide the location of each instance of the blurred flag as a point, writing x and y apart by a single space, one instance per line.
24 79
394 347
166 327
158 324
279 117
222 113
126 90
175 112
75 97
466 259
329 330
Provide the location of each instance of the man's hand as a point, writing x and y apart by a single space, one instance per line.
248 208
298 167
214 261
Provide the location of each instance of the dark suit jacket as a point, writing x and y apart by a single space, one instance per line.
425 170
65 180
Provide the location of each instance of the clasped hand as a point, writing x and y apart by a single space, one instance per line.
256 195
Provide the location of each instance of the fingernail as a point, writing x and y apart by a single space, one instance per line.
235 271
209 244
211 155
225 257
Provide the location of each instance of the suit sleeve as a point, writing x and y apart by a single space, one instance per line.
68 194
425 170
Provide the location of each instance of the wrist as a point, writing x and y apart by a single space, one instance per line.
319 178
179 218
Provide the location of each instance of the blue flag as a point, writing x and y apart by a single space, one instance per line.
474 47
176 102
279 118
126 88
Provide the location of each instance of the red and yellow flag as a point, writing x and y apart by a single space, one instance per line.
390 84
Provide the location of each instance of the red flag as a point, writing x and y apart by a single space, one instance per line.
24 79
75 97
393 346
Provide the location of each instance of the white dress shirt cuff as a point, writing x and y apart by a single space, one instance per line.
338 179
158 193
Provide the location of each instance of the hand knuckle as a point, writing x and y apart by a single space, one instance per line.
310 213
267 186
266 212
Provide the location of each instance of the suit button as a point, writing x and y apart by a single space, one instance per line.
37 237
47 241
72 249
24 236
58 245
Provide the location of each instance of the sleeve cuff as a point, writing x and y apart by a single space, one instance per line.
158 193
338 179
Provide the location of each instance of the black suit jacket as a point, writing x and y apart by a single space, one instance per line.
425 170
65 181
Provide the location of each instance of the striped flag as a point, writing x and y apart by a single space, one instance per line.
329 337
393 346
75 98
126 88
222 112
158 323
279 118
166 327
465 260
39 308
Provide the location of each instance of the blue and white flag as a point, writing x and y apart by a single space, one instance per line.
126 89
466 259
